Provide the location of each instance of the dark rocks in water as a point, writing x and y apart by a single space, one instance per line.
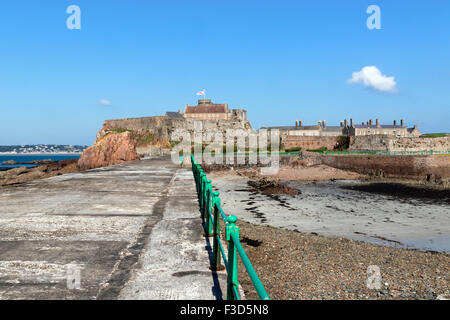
272 187
9 162
23 174
13 172
37 162
46 161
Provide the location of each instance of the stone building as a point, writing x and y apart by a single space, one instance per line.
310 137
319 130
347 128
331 137
369 129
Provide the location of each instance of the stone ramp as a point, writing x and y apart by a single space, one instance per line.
131 231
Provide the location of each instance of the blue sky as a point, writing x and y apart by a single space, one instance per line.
280 60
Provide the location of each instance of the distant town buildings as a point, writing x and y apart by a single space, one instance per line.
42 149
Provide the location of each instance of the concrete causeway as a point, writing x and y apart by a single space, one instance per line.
131 231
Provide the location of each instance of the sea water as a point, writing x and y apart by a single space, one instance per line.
32 157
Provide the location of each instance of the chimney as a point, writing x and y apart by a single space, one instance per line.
416 127
296 123
320 123
401 122
342 124
370 122
378 122
351 122
395 122
324 124
300 123
363 123
345 123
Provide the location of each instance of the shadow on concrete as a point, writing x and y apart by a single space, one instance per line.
216 288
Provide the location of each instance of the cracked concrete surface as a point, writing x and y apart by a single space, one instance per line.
131 231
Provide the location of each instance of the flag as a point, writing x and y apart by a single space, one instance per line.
201 93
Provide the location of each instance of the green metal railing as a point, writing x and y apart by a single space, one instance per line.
384 153
211 212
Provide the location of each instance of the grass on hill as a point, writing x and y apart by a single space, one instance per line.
118 130
434 135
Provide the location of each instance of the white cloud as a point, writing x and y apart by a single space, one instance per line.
371 77
105 102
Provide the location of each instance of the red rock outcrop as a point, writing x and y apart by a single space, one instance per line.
111 149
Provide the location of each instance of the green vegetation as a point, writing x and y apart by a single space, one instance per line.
118 130
321 149
295 149
144 140
434 135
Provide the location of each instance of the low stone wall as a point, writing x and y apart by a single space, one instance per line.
310 142
427 168
389 143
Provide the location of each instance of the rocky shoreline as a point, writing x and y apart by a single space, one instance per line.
294 265
43 169
110 148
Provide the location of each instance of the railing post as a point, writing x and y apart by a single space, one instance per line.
205 194
199 170
232 279
195 171
207 208
201 197
216 262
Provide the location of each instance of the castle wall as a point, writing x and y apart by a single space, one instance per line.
161 128
389 143
310 142
416 167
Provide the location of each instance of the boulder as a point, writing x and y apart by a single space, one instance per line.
111 149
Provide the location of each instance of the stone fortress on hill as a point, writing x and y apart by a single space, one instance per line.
153 133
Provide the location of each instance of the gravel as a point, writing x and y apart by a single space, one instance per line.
295 265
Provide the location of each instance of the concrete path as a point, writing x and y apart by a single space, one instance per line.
131 231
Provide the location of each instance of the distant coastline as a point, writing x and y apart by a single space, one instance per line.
30 160
39 153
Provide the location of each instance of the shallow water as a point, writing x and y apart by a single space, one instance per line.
384 214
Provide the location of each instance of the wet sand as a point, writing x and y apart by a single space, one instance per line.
386 214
